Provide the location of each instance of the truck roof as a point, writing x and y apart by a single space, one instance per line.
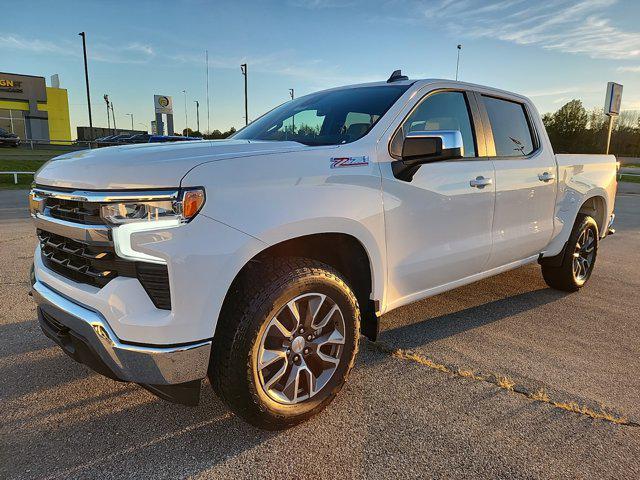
418 83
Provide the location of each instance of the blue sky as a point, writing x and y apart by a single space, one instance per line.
553 51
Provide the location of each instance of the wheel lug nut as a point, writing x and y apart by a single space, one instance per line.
301 329
309 337
306 351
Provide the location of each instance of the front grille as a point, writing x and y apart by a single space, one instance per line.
82 262
87 213
98 265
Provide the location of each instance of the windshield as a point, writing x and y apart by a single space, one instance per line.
325 118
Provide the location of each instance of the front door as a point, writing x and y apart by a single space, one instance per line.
438 225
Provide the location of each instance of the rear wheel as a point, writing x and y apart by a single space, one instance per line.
285 341
578 259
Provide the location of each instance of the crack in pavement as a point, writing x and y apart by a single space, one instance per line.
503 382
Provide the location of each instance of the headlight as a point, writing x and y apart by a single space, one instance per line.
183 209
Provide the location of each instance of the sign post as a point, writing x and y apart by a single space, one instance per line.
612 107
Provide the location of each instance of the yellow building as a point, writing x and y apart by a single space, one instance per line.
32 110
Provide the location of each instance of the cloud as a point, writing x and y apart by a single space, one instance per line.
100 52
319 73
15 42
577 27
321 4
554 92
140 48
634 69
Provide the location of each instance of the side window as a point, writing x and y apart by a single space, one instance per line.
440 111
511 130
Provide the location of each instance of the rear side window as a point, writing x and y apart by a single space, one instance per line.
511 130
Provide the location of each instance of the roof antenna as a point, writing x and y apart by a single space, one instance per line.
397 76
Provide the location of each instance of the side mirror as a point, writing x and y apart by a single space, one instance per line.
425 147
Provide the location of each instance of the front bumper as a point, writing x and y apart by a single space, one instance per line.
86 336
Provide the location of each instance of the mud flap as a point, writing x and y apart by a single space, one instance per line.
370 325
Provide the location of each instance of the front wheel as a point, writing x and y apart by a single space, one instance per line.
285 342
578 259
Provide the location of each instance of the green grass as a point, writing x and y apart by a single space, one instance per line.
24 181
630 179
20 165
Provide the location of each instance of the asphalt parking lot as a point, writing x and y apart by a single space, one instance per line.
398 417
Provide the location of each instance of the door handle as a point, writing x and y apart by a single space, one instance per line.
546 176
480 182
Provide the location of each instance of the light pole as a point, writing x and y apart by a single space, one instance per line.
243 69
106 99
113 114
293 119
458 61
206 55
86 79
186 117
197 114
130 115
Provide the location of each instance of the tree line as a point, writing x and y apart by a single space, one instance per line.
574 129
214 135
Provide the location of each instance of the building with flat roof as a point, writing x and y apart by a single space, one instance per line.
32 110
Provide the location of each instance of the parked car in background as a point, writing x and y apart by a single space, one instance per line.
8 138
258 260
171 138
139 138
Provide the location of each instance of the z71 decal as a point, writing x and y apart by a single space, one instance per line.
349 162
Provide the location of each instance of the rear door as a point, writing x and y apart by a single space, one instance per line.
525 180
438 225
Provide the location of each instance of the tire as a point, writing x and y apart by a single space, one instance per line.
574 272
247 334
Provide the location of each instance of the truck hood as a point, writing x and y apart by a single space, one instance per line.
149 165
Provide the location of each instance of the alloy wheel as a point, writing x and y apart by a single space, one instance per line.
300 348
584 254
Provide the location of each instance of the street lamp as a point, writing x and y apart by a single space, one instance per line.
458 61
106 99
197 114
186 117
243 69
130 115
86 79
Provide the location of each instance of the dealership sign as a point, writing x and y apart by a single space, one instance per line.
163 104
22 87
9 85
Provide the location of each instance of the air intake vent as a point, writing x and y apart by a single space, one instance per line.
155 280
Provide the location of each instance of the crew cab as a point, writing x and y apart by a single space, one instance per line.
258 260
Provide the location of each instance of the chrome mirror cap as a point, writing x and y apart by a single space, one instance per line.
451 139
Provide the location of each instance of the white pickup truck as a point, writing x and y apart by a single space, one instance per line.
257 261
